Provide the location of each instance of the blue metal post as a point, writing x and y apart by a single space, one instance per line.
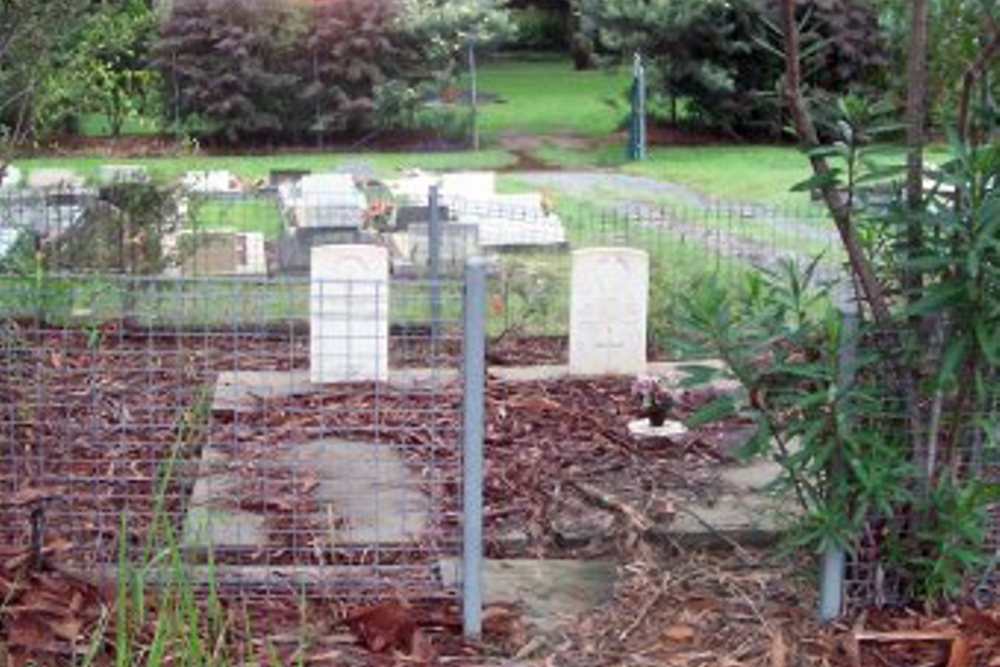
472 455
831 595
435 235
637 122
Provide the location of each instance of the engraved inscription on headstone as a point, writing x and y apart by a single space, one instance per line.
608 309
349 313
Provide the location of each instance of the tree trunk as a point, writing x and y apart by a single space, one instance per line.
916 118
834 199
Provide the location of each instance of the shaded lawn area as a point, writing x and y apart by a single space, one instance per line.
549 96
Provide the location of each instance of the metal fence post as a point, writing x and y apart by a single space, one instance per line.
434 236
472 444
831 598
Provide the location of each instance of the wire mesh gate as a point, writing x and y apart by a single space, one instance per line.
147 414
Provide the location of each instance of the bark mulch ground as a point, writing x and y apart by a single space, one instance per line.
89 419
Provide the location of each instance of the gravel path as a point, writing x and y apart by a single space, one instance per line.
684 211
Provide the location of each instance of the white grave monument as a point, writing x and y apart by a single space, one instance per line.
10 178
609 297
323 200
349 313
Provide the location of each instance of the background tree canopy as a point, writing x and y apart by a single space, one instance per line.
252 69
721 59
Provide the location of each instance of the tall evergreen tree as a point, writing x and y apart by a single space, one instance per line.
226 62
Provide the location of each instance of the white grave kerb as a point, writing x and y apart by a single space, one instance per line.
349 313
609 300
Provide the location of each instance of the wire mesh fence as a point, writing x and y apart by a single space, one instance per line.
185 403
141 413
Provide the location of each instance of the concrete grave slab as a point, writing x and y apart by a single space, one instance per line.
552 592
609 296
210 520
364 491
349 313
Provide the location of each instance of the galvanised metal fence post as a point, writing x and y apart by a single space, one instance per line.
474 345
831 598
434 236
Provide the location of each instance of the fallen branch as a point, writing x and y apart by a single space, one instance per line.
610 501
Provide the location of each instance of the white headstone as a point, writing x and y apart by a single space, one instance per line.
11 177
349 313
608 308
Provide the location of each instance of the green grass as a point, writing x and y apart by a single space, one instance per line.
760 174
246 215
253 168
548 96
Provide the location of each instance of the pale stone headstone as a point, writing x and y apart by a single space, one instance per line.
10 178
349 313
608 309
54 178
122 173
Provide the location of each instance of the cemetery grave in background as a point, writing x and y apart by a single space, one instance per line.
290 396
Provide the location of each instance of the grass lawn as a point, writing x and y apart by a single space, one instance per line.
245 215
256 167
549 96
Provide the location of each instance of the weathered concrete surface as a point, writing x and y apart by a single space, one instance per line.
365 492
550 591
241 391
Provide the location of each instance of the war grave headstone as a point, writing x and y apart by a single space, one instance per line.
349 313
608 307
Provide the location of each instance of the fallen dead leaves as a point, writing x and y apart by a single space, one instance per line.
47 614
709 609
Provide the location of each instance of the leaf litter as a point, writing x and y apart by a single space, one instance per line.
557 458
